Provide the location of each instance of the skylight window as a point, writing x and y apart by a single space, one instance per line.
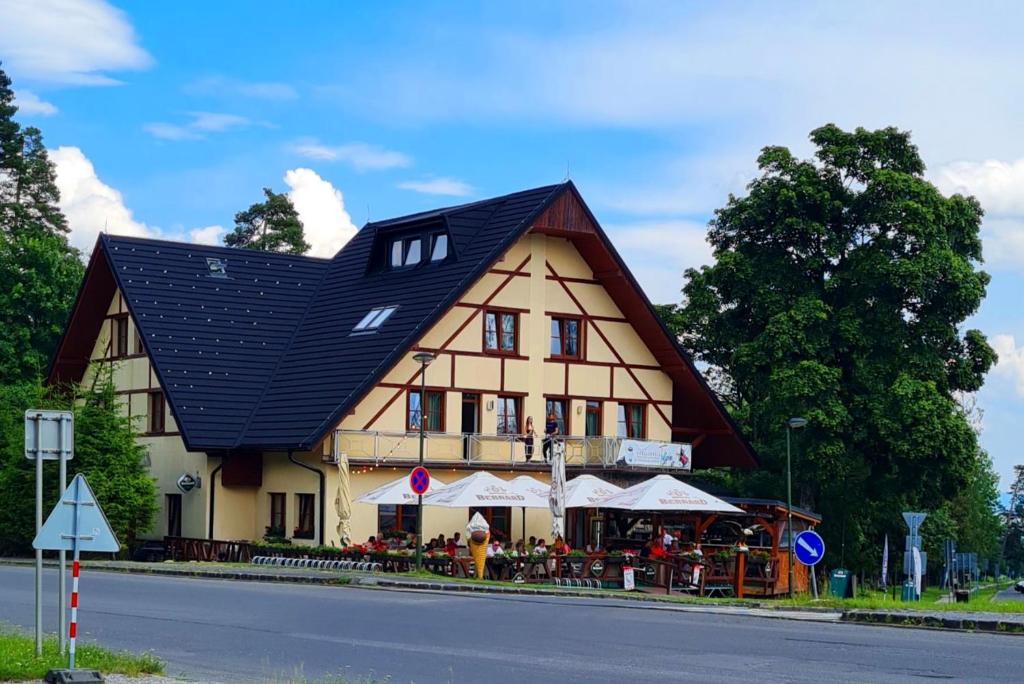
374 319
439 248
218 267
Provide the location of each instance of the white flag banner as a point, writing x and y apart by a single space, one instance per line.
885 563
636 452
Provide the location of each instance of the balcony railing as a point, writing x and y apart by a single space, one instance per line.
476 449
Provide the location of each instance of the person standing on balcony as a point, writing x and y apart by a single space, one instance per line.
550 431
528 435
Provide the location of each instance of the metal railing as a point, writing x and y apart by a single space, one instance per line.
474 448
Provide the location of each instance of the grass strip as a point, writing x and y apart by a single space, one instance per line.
18 660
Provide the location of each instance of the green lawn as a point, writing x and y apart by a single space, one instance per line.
18 660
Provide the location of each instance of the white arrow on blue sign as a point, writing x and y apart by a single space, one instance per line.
809 547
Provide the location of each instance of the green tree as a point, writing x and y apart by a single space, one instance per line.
106 452
838 292
272 226
39 270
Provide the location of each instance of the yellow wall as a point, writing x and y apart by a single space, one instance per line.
536 376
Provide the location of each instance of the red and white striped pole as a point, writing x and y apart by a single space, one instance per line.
73 625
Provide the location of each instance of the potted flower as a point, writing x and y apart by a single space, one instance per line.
758 557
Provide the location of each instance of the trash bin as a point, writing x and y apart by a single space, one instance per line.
962 595
839 584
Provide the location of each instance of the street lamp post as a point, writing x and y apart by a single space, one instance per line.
791 424
424 359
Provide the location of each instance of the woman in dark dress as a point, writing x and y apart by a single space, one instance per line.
550 430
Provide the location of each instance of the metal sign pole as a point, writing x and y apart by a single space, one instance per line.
73 627
39 525
62 554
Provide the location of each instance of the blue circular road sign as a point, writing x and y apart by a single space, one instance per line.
809 547
419 480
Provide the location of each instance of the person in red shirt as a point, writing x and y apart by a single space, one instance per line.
658 550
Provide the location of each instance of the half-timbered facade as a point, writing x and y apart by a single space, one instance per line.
258 373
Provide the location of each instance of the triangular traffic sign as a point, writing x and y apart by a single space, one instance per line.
94 533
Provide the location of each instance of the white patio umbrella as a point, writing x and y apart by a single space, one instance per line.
525 483
483 489
397 492
556 498
343 502
666 493
585 491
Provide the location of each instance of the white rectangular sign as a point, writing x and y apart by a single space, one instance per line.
646 454
49 425
628 580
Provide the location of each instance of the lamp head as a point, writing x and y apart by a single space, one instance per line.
423 357
796 422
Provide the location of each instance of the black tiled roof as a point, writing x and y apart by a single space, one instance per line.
326 369
214 342
264 358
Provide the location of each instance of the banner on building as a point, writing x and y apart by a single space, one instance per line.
635 452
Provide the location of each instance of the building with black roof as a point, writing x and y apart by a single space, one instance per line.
258 372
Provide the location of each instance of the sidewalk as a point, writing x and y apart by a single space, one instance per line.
1004 623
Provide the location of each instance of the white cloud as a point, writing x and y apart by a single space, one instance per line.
998 185
166 131
90 205
361 156
659 251
439 186
210 235
202 122
214 121
68 41
322 211
28 103
222 86
1011 361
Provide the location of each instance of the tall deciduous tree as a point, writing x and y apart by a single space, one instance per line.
39 270
273 226
838 292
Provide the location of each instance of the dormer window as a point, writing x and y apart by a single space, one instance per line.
438 246
405 252
374 319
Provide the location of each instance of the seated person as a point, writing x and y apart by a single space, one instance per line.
560 547
520 548
493 548
540 549
532 543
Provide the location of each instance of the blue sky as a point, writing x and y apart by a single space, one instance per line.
166 119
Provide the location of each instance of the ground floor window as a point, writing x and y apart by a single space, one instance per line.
277 513
631 421
304 525
173 506
500 520
392 518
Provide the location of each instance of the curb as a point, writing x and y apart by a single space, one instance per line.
935 621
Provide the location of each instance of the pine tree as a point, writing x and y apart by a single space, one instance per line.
39 270
272 226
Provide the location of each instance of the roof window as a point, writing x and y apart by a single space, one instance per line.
438 246
374 319
218 267
406 252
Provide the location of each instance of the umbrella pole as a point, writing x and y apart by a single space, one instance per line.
524 525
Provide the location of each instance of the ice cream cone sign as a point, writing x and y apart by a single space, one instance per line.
479 536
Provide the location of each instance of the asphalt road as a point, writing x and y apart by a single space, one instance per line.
239 631
1009 594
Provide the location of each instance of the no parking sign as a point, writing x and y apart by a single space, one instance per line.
419 480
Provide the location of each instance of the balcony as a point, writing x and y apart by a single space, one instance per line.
391 448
